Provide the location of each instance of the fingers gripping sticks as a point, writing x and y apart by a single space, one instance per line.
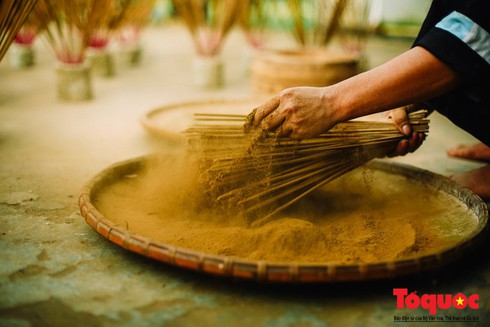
257 173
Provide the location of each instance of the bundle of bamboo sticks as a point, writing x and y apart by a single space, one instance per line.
136 17
253 16
261 174
138 12
109 22
316 22
13 13
68 25
355 26
208 22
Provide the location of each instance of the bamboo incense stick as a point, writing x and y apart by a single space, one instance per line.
68 26
208 22
261 174
13 14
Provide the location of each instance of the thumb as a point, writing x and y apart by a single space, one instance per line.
400 120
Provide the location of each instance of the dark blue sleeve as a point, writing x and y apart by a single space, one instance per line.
458 33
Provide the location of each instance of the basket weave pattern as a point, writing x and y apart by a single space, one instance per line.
262 271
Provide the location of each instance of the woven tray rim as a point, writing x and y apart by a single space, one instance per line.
264 271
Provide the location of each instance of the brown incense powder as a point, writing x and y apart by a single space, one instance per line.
354 219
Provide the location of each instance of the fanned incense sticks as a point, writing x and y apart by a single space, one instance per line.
209 22
68 25
253 17
316 22
136 17
261 174
13 13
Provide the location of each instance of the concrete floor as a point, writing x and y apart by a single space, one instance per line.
56 271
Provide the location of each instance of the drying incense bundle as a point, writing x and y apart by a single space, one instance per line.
261 174
316 22
136 17
68 25
208 22
13 13
138 12
253 16
355 26
109 22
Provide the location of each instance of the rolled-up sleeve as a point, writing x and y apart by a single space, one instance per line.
461 43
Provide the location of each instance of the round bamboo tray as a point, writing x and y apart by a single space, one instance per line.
263 271
168 122
273 71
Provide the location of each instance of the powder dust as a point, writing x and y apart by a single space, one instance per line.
351 220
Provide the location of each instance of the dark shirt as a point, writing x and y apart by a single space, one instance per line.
457 32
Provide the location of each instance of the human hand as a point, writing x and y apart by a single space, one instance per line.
413 141
299 112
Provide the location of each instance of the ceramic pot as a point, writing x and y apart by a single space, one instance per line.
74 82
208 72
101 62
130 56
21 55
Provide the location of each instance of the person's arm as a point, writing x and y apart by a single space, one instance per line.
305 112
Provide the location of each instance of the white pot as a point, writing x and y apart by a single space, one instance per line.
130 56
74 82
208 72
101 62
21 55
